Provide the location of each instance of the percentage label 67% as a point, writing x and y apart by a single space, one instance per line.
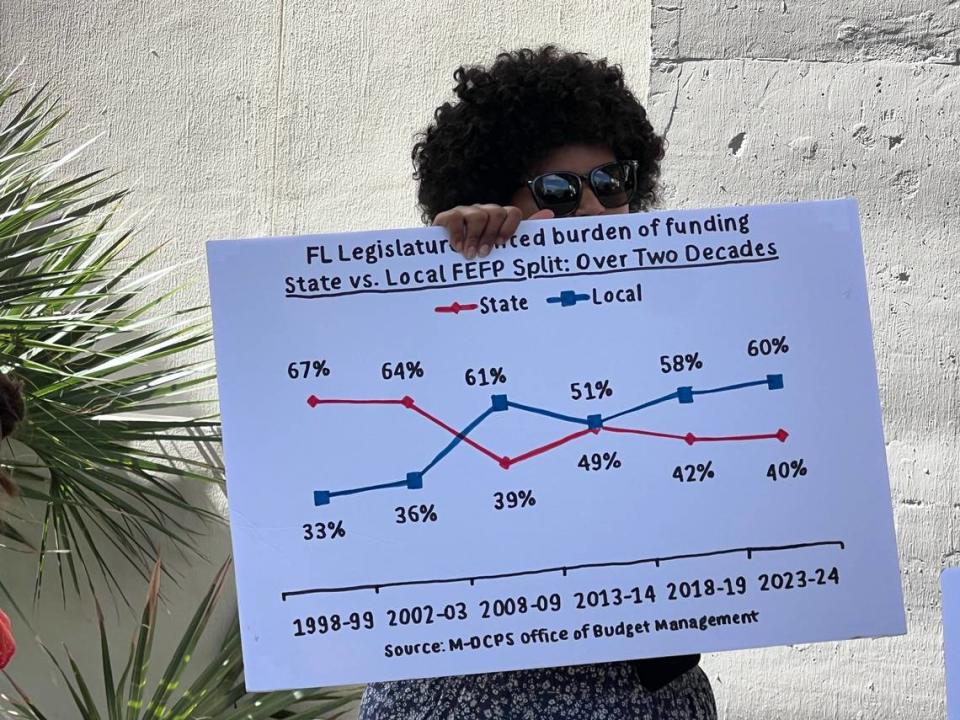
415 514
307 369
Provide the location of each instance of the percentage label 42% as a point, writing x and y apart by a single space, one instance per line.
787 469
591 390
307 369
406 370
679 363
600 461
768 346
694 473
415 514
330 530
513 499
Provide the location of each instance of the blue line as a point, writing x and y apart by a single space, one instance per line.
738 386
659 400
354 491
456 441
549 413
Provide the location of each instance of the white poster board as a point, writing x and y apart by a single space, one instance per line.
950 586
620 437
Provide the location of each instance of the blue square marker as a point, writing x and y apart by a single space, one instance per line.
498 402
414 480
568 298
594 422
685 394
775 382
321 497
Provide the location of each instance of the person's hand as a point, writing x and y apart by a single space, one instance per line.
475 229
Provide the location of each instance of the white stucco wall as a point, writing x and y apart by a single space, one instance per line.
241 117
771 101
244 118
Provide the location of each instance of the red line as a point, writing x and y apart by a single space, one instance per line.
455 432
652 433
550 446
313 401
734 438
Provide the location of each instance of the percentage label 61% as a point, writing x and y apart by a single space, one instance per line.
307 369
485 376
415 514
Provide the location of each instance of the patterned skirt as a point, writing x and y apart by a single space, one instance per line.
608 691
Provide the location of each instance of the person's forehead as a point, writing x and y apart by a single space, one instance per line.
576 158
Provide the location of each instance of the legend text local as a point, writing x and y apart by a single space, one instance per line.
456 272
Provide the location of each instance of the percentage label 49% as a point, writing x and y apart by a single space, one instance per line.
787 469
694 473
330 530
679 363
513 499
600 461
307 369
406 370
415 514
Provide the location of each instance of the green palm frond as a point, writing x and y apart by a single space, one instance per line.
217 692
109 369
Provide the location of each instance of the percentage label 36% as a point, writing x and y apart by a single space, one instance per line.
415 514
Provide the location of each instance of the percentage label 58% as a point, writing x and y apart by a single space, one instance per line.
679 363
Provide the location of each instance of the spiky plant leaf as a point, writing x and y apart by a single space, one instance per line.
217 692
107 364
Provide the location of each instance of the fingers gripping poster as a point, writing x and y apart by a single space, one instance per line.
613 438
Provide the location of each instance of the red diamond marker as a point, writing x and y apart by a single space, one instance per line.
690 438
313 401
782 434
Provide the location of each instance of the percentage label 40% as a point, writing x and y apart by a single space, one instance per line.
406 370
415 514
787 469
307 369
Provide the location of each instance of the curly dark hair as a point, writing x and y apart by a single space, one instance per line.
510 115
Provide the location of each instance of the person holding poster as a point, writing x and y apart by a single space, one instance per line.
540 134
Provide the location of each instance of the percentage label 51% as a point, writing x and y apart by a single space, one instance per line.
594 390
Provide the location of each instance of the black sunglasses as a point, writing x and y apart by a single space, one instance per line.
614 184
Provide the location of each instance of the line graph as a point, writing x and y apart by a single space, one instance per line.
595 424
565 569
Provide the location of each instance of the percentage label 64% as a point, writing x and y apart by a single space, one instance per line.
415 514
600 461
694 473
513 499
307 369
679 363
405 370
787 469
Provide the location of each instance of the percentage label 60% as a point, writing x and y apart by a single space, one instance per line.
768 346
